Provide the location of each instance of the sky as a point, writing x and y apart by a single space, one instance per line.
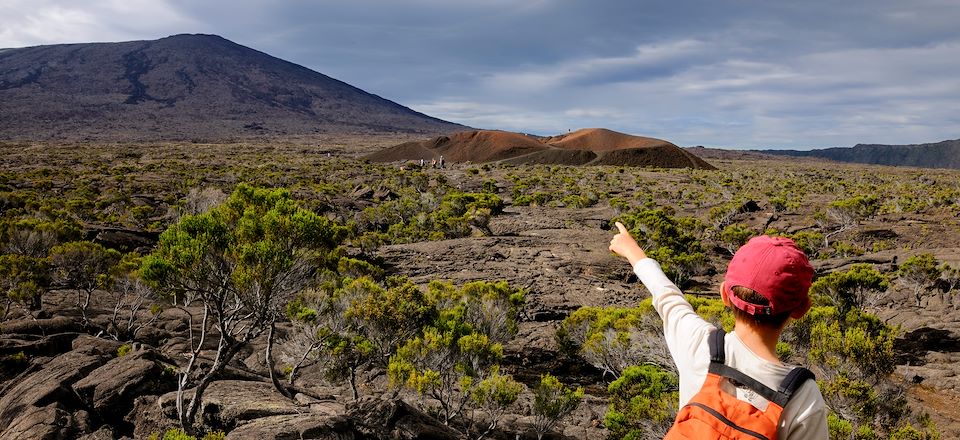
719 73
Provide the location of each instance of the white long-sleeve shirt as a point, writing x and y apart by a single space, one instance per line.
804 417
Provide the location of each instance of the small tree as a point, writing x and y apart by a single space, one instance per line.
552 401
85 267
612 339
346 353
23 280
133 299
444 364
243 261
848 213
951 279
672 241
919 273
455 354
734 236
388 317
350 324
643 403
853 357
492 308
810 242
34 238
25 273
493 395
317 317
858 287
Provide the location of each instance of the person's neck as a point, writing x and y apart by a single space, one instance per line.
762 343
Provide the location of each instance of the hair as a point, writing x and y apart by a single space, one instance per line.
751 296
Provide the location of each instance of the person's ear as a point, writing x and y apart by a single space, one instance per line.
802 310
723 294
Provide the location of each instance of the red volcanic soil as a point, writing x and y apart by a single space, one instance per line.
467 146
601 139
592 146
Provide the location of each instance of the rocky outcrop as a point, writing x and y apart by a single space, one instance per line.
296 426
395 419
111 389
38 406
51 422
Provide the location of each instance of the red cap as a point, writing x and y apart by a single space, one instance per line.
775 268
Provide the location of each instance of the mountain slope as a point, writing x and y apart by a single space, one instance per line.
944 154
183 87
591 146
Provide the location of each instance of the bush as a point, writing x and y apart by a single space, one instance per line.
493 395
612 339
243 261
853 358
417 217
84 267
23 279
552 401
734 236
849 212
673 242
859 287
456 355
643 403
919 273
179 434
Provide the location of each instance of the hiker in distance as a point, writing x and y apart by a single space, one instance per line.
734 386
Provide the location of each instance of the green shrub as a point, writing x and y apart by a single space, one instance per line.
453 358
552 401
24 279
734 236
673 242
859 287
613 338
179 434
643 403
919 273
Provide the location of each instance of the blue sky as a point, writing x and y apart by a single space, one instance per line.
732 74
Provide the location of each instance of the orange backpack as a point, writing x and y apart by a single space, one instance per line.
715 414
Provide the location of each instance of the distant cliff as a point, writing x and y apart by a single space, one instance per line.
944 154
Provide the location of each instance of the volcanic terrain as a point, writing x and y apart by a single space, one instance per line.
184 87
589 146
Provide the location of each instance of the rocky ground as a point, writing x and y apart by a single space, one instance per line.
75 385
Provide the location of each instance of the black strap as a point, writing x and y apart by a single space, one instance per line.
741 379
790 384
717 348
794 380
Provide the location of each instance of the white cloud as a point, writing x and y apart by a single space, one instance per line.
767 74
651 56
35 22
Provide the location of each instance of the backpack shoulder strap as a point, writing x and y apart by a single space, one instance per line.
790 384
717 348
797 377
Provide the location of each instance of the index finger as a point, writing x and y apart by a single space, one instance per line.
621 228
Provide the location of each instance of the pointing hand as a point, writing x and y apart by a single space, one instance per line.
625 246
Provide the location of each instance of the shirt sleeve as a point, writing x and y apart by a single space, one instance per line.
809 414
683 329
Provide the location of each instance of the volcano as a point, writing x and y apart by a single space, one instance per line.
184 87
589 146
